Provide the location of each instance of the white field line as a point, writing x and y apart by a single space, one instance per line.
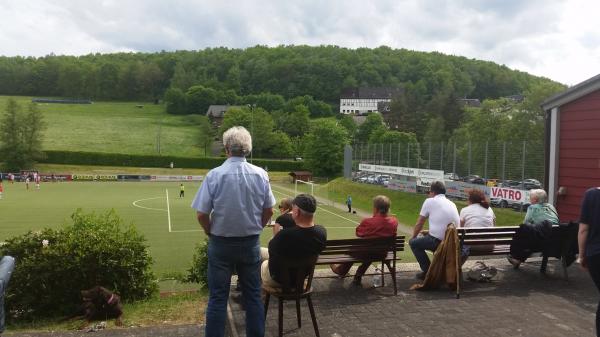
328 211
168 210
150 208
135 203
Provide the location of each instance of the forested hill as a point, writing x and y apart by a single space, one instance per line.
289 71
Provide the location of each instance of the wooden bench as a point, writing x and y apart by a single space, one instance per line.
560 245
351 250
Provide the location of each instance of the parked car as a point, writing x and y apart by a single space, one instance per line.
383 179
451 176
474 179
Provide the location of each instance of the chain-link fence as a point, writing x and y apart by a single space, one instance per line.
489 160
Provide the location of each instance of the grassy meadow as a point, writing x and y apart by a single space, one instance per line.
116 127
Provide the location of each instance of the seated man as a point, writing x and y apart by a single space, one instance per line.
441 212
536 228
303 240
377 226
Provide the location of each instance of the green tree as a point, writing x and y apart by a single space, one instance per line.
324 147
348 123
199 98
175 101
296 123
20 136
258 122
373 123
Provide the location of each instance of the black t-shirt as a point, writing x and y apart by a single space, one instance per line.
285 220
590 215
295 242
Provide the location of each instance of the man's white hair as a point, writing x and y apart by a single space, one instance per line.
237 141
538 194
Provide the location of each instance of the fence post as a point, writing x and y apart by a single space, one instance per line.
442 156
469 161
398 154
504 161
390 161
523 166
486 161
407 154
429 157
454 159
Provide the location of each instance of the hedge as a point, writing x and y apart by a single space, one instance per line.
120 159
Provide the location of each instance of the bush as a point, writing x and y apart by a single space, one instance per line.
197 272
119 159
54 265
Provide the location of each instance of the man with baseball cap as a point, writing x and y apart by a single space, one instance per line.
303 240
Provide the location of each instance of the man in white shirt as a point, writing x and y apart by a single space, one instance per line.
440 211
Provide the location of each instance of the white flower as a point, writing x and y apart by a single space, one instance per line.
45 243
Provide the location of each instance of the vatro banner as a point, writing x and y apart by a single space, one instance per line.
509 194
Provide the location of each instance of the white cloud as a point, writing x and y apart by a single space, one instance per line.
555 39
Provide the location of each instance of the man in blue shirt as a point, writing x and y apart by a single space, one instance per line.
234 203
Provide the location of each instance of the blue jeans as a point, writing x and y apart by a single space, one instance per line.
225 254
7 264
419 245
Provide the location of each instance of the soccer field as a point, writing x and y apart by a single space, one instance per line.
167 221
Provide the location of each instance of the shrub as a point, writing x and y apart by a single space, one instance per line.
54 265
197 272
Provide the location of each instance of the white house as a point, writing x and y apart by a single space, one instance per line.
365 100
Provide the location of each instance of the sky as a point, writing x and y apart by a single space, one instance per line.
556 39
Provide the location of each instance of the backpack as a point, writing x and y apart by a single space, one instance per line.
480 272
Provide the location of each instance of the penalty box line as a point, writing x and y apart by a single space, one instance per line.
321 208
168 210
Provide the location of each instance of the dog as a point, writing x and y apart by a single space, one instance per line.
99 303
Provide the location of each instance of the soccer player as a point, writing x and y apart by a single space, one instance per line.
181 191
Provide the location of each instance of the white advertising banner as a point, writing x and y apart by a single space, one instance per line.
424 176
177 178
403 185
459 189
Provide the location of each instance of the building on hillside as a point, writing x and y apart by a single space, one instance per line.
215 113
572 146
469 102
365 100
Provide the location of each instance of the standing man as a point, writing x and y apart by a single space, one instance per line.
440 211
589 239
349 203
234 203
181 190
7 265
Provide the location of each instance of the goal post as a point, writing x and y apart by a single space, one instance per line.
305 187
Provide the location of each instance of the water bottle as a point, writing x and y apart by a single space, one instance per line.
377 281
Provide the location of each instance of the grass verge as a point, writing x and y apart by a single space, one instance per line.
167 309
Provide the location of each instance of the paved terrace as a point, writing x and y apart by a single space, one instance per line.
520 302
517 303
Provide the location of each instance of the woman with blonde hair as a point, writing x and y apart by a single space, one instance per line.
285 219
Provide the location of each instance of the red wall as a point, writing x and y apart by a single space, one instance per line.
579 152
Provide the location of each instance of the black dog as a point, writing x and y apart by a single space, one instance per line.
100 303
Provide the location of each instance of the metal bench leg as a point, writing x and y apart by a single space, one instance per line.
312 315
393 274
280 318
544 264
267 298
298 315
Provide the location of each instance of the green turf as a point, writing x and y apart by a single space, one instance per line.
52 205
116 127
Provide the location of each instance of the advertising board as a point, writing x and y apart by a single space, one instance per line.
404 185
509 194
176 178
459 189
424 176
